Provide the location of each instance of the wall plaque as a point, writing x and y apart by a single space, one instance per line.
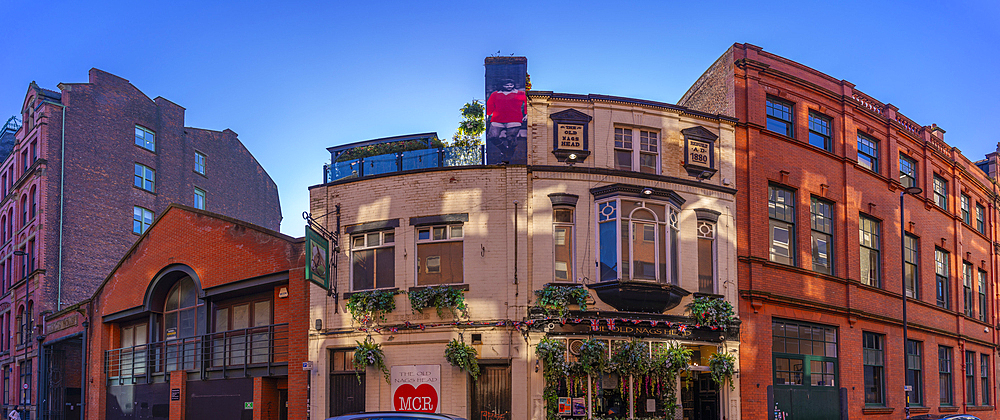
570 136
699 152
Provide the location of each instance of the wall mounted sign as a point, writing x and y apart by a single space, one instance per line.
416 388
175 394
571 136
699 152
317 259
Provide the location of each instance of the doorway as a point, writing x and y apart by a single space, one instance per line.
700 397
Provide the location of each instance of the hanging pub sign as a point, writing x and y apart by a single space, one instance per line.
571 138
317 259
699 152
506 110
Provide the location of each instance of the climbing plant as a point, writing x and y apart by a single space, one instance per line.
723 367
552 354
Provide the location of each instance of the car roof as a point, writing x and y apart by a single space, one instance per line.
397 414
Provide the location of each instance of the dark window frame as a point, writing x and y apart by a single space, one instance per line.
940 187
966 205
820 131
780 112
870 245
781 211
873 352
970 378
915 372
911 263
868 153
942 274
821 221
907 171
946 394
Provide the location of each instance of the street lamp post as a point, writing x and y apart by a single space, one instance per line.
914 191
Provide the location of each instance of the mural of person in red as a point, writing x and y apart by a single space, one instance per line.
506 116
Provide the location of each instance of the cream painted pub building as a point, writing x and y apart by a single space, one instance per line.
631 199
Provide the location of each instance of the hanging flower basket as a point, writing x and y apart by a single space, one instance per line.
462 356
440 298
723 367
371 306
369 353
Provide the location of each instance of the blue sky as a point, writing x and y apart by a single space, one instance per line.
293 78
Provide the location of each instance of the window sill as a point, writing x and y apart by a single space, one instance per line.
200 173
919 410
458 286
877 410
144 190
948 409
979 408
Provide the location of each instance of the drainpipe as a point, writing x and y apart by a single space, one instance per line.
62 188
83 368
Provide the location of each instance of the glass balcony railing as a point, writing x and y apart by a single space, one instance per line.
405 161
257 347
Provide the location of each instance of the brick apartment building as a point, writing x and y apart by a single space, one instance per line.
824 259
201 318
440 217
92 166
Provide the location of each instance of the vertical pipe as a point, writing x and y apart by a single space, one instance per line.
83 378
902 249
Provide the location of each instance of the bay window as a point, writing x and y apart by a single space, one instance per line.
638 240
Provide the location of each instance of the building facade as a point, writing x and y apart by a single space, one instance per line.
92 166
825 257
630 200
205 327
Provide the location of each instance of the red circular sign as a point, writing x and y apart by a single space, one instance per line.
423 398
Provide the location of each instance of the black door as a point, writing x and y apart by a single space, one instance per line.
491 393
347 393
282 404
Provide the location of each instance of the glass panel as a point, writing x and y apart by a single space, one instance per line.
609 250
456 231
644 251
222 319
439 233
423 234
388 237
373 239
187 323
262 313
363 269
189 296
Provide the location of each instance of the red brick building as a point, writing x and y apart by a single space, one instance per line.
203 317
92 166
821 169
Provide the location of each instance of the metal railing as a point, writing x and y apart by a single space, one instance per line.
226 351
405 161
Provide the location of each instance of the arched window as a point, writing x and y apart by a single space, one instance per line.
34 202
10 222
24 210
19 322
3 228
180 321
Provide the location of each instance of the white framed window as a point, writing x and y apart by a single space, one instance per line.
563 224
199 198
145 138
439 255
637 240
145 178
373 260
199 163
706 257
141 219
637 149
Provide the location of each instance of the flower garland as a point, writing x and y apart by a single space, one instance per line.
557 298
711 312
593 359
371 306
463 356
723 367
369 353
441 298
